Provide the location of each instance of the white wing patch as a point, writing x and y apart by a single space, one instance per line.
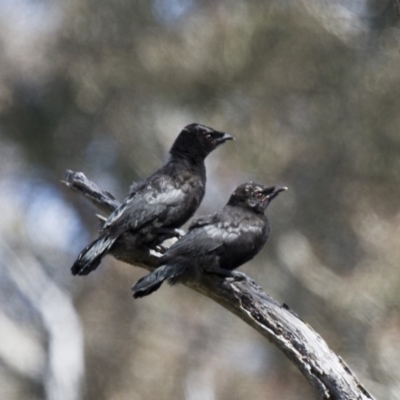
229 233
171 197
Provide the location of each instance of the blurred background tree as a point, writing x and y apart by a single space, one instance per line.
311 91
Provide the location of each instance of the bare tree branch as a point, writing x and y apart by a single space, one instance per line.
324 370
103 200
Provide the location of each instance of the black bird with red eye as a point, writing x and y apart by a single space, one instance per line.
196 141
159 204
217 243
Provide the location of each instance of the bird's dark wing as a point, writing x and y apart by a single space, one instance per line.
232 236
207 234
240 236
202 221
148 202
124 206
243 234
194 244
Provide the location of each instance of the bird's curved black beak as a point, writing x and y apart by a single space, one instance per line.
274 191
224 138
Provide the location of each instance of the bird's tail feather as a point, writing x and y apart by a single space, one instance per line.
152 282
90 257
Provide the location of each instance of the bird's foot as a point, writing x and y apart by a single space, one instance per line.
165 234
238 276
178 233
160 248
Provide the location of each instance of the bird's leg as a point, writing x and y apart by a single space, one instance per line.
236 276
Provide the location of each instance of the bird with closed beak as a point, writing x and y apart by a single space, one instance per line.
161 203
217 243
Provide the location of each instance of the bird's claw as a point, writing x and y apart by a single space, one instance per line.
160 249
237 277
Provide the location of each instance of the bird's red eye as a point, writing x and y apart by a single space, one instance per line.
259 195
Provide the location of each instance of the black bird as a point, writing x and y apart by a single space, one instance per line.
159 204
216 243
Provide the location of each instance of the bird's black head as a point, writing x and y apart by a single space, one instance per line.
254 196
196 142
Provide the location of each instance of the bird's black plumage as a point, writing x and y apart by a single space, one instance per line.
156 206
218 242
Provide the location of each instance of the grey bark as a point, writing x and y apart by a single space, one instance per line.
324 370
